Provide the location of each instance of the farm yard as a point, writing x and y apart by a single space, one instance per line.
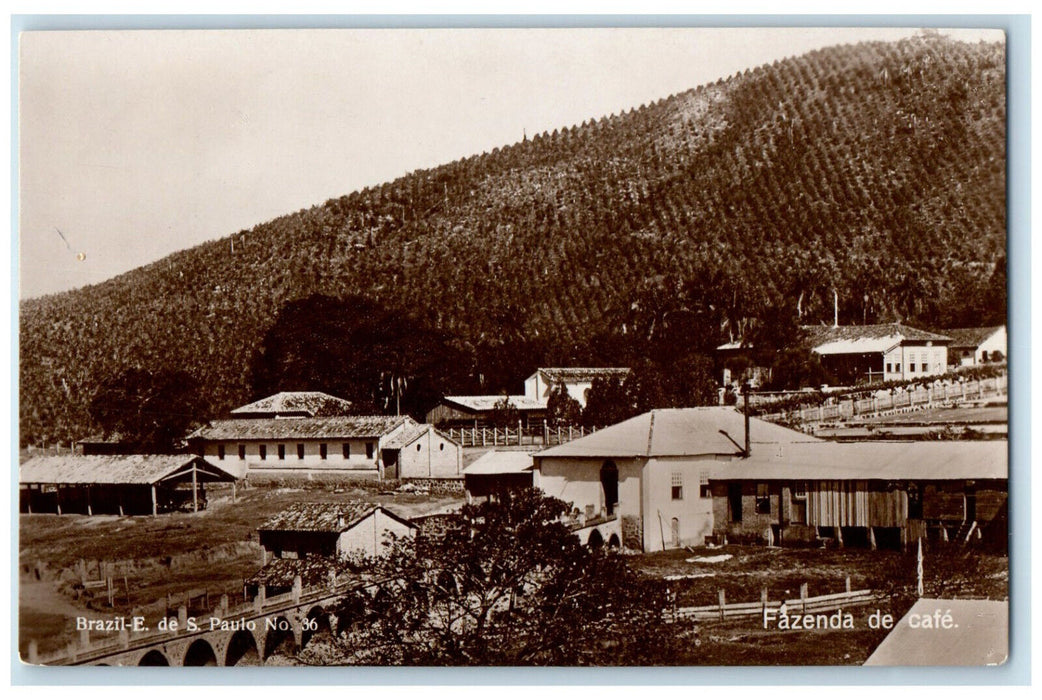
743 572
211 551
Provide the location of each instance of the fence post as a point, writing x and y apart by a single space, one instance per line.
848 584
803 597
482 436
723 602
763 602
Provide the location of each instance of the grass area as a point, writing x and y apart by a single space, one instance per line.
941 415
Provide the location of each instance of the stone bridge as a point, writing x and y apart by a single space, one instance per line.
246 635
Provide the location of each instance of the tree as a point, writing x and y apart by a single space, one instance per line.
378 358
606 403
508 585
561 409
505 414
149 410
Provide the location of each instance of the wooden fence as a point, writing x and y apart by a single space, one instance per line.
805 604
505 437
881 403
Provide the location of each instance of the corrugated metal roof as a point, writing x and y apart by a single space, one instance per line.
978 635
581 374
487 403
332 428
112 469
970 337
506 462
677 432
324 517
926 460
311 403
873 338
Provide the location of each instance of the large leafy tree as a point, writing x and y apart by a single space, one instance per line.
561 409
508 585
149 410
378 358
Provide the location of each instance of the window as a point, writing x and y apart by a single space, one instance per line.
300 450
677 483
911 367
763 499
441 446
282 452
322 450
220 452
263 451
798 512
897 367
889 367
347 450
368 450
703 485
734 501
242 451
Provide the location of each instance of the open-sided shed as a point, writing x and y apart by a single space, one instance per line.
124 484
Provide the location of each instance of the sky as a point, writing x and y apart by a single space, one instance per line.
133 145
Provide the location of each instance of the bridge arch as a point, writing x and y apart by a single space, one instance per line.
153 657
242 650
317 623
281 636
200 653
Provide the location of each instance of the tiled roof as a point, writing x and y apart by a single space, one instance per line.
581 374
332 428
300 403
323 517
406 435
970 337
677 432
487 403
927 460
113 469
880 337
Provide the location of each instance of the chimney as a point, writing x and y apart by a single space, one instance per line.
746 388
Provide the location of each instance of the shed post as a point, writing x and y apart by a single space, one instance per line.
155 507
58 498
90 510
233 492
195 484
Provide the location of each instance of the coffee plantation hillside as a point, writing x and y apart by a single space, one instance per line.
872 173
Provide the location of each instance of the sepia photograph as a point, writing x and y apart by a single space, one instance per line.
513 347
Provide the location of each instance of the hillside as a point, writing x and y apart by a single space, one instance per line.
877 170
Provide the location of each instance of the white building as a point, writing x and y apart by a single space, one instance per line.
576 380
652 471
971 347
879 352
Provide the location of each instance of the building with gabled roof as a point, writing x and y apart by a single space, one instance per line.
294 404
577 381
878 352
125 484
307 446
332 530
652 471
870 493
420 451
497 472
971 347
476 411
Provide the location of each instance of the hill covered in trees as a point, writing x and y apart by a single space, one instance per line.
733 209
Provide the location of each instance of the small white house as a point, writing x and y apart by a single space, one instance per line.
576 380
971 347
420 451
332 530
